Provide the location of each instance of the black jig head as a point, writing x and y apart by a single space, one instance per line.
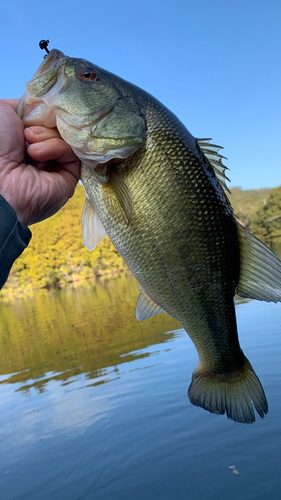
43 44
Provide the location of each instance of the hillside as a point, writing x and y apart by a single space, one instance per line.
247 203
266 221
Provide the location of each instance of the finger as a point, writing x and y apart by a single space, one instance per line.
38 134
51 149
53 167
11 102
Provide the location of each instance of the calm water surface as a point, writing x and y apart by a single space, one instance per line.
93 404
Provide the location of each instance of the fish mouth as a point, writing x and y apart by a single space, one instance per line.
42 82
47 73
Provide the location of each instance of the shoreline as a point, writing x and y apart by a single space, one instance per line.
13 291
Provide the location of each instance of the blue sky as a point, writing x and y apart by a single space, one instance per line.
216 64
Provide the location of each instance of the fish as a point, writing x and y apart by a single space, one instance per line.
160 194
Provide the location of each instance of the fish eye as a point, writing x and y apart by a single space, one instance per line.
87 74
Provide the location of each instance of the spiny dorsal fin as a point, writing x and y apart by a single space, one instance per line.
122 193
146 307
211 152
92 229
260 269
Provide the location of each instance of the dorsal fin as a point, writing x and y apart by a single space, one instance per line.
211 152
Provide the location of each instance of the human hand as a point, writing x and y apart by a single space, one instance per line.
35 191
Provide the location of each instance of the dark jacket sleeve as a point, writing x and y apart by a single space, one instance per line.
14 238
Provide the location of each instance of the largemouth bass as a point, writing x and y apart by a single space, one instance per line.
159 194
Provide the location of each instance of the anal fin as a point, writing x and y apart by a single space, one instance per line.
146 307
260 269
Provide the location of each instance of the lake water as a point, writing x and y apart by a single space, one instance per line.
93 404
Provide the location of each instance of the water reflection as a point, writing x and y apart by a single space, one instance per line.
93 403
59 335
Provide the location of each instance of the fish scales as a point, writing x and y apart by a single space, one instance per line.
157 192
176 226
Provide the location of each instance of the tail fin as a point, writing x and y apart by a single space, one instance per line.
234 394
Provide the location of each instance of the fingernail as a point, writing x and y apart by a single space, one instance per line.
37 130
37 146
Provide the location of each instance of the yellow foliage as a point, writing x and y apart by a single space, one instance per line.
56 255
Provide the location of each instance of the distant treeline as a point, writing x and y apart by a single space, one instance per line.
56 255
260 212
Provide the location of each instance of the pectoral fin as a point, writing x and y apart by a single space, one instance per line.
122 193
260 269
92 229
146 307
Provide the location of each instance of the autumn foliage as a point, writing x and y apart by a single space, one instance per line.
56 255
